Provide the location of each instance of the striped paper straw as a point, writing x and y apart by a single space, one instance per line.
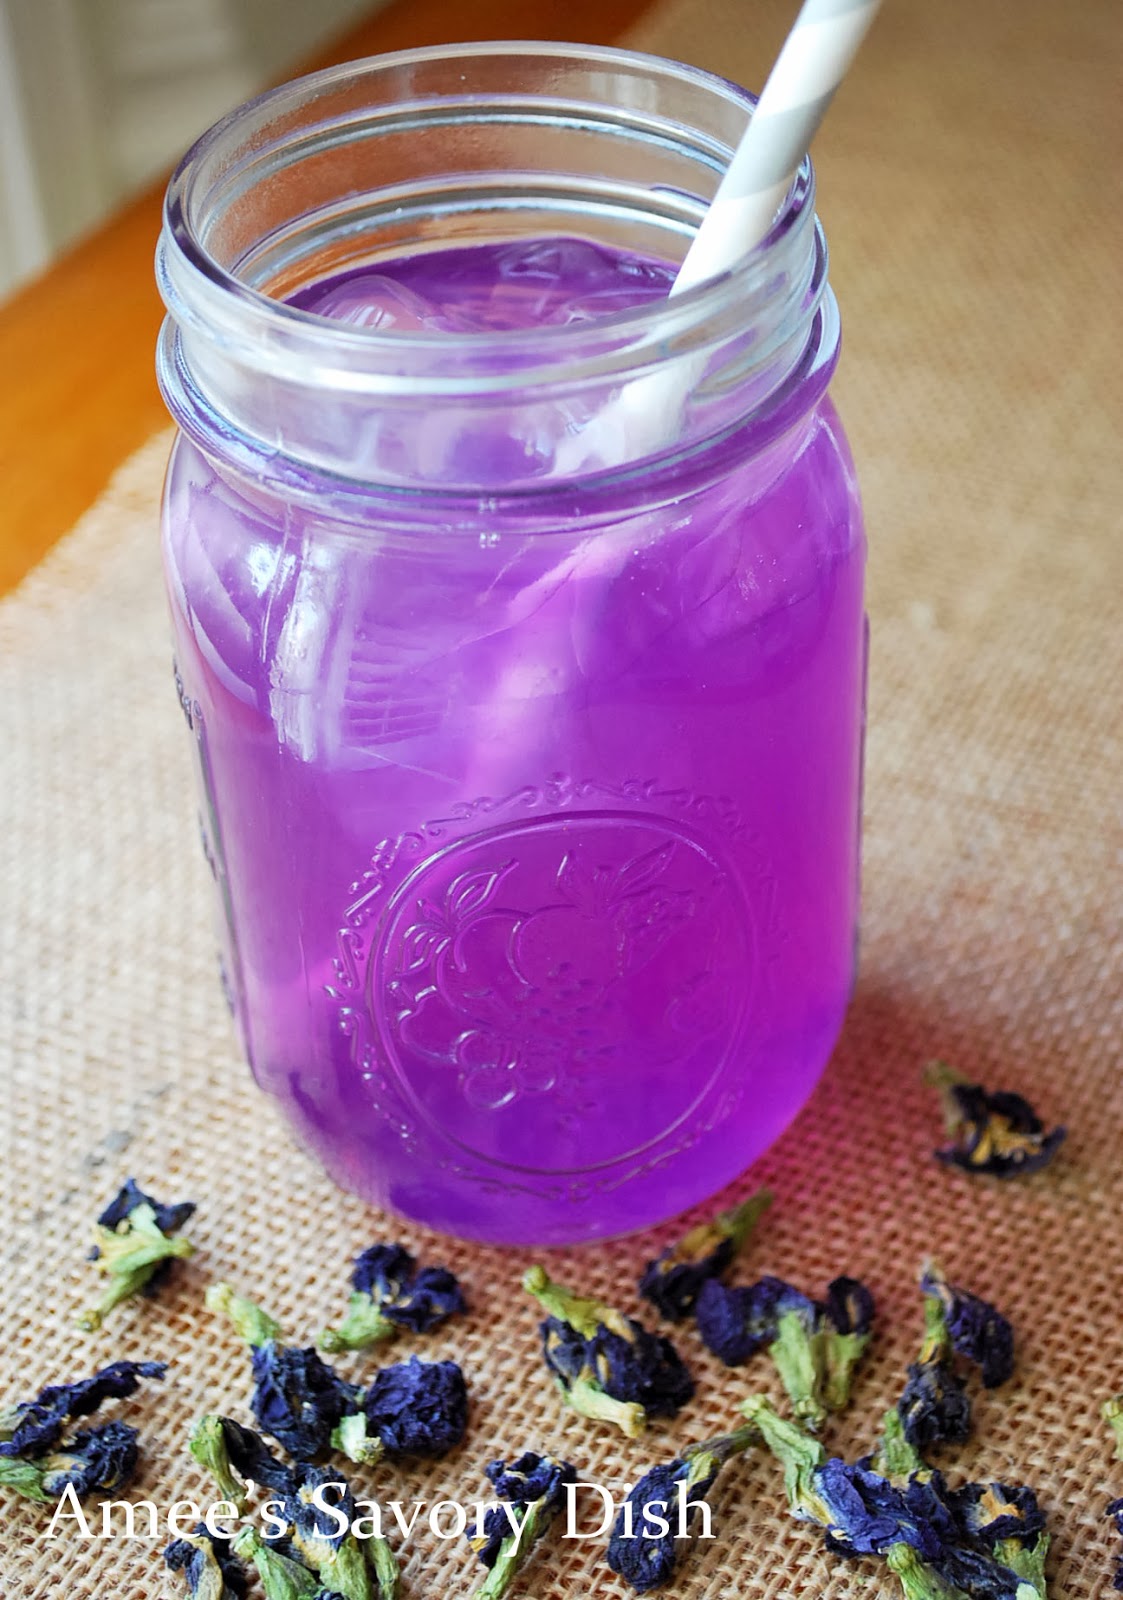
800 87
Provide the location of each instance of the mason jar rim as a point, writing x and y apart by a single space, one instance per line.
269 334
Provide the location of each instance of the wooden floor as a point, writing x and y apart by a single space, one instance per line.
77 390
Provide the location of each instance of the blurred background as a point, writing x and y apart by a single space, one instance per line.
99 96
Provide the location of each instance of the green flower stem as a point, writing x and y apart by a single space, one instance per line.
255 1326
207 1444
918 1580
281 1578
943 1078
515 1550
352 1438
25 1477
713 1453
380 1558
937 1344
896 1459
363 1325
798 1357
841 1355
1112 1413
582 1314
797 1453
345 1572
736 1225
587 1398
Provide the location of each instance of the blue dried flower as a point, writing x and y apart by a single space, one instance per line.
737 1322
934 1406
32 1427
936 1552
998 1133
96 1459
646 1556
391 1293
297 1398
814 1346
642 1547
977 1331
347 1567
307 1556
866 1514
1115 1510
607 1366
673 1281
210 1568
312 1535
417 1408
849 1306
133 1245
533 1486
992 1512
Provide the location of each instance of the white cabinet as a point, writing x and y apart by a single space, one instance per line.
99 96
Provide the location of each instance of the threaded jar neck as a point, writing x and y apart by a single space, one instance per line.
416 151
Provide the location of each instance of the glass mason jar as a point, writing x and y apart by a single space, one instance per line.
529 730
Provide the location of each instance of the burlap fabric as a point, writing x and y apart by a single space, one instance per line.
966 180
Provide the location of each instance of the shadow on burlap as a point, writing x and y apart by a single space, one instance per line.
964 177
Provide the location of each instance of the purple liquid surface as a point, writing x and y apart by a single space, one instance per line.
540 854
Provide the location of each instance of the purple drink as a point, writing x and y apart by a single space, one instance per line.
534 815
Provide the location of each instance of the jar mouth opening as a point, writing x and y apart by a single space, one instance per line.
212 297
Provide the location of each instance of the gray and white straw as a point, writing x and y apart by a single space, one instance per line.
808 70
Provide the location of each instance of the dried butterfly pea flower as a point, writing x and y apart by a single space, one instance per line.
414 1408
134 1246
297 1398
1112 1413
309 1553
96 1460
673 1280
937 1547
814 1346
737 1322
1115 1511
862 1512
533 1486
646 1551
32 1427
346 1566
1006 1520
935 1406
236 1456
977 1331
390 1293
846 1327
998 1133
607 1366
211 1570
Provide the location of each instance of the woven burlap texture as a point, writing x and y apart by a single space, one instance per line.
966 175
